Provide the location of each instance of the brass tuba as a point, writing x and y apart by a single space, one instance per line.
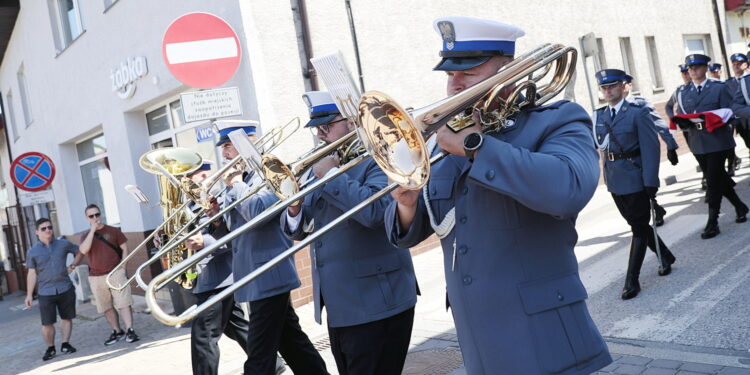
169 164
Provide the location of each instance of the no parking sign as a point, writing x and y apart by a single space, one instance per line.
32 171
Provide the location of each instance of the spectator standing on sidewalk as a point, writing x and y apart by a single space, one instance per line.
2 276
45 262
106 246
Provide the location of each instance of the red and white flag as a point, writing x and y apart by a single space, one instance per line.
711 119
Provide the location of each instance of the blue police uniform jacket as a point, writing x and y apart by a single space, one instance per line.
740 106
257 246
358 275
631 131
513 285
669 107
713 96
215 270
659 126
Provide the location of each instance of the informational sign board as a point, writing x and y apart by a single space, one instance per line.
33 198
32 171
201 50
211 104
204 133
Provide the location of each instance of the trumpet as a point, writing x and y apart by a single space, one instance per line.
395 140
198 194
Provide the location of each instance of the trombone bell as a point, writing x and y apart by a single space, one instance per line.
392 138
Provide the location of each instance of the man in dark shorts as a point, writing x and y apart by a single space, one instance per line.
46 263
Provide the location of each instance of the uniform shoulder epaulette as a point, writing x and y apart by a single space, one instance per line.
554 105
637 102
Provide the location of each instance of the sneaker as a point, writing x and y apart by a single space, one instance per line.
66 348
49 354
115 337
131 336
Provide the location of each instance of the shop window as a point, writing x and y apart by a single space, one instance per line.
98 185
167 128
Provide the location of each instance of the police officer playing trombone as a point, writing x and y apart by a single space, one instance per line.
273 324
504 204
367 285
623 131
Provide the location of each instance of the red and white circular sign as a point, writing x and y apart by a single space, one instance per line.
201 50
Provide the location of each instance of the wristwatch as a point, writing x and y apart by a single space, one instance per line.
472 143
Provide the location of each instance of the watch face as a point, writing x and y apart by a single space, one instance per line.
472 140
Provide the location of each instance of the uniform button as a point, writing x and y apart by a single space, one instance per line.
335 191
463 249
462 219
434 191
467 280
318 243
379 268
465 190
320 264
560 297
320 204
490 174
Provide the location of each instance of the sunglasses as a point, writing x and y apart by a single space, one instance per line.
95 215
44 229
325 128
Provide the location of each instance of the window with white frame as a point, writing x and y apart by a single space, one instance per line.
11 115
98 185
698 43
65 16
23 90
653 62
628 62
167 128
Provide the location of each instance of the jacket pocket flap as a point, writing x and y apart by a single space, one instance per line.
374 266
538 296
440 188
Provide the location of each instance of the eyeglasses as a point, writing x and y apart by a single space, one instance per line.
44 229
325 128
95 215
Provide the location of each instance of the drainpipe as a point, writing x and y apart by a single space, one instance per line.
356 44
720 33
302 27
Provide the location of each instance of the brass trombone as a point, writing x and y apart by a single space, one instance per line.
277 176
395 139
200 195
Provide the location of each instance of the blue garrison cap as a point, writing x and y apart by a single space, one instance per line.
322 107
224 133
697 59
714 67
608 77
683 68
470 42
738 57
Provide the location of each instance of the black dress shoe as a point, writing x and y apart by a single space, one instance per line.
630 290
742 215
665 270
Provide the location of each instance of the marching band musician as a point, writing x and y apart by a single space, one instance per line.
367 285
711 148
215 274
661 128
504 205
273 324
623 131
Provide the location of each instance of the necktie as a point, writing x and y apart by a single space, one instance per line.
614 112
699 89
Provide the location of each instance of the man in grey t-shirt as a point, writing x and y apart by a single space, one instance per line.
46 263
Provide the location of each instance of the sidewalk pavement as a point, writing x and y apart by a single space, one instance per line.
434 346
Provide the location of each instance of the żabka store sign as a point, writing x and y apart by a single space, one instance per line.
124 76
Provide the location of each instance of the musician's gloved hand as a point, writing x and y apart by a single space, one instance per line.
326 164
672 156
651 191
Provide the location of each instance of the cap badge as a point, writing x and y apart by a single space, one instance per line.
448 33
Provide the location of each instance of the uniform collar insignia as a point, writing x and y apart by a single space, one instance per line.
448 33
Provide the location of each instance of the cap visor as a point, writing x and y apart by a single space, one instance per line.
319 120
609 83
222 140
461 63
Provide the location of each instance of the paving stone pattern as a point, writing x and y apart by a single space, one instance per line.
635 365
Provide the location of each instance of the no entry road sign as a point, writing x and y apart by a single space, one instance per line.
32 171
201 50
